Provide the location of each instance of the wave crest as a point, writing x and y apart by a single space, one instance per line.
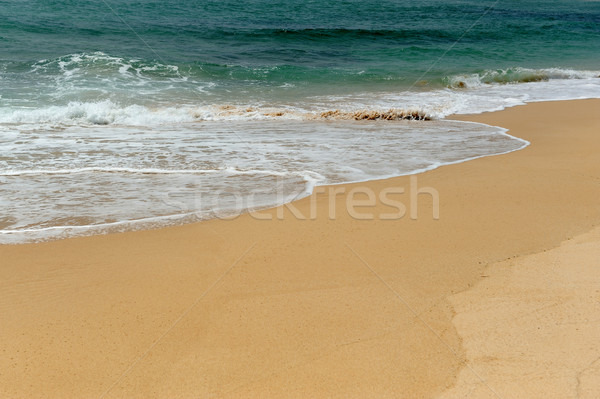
110 113
515 75
101 64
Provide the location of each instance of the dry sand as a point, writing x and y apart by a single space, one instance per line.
532 328
333 308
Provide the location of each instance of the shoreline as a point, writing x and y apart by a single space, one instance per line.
287 307
175 220
146 223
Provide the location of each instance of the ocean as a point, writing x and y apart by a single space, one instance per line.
124 115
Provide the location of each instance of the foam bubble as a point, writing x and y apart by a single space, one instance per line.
101 179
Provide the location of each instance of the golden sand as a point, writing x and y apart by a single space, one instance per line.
532 328
332 307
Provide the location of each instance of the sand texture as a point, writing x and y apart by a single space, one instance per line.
334 306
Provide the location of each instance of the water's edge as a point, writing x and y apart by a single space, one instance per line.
158 222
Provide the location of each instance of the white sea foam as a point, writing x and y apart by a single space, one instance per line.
91 167
98 179
487 91
517 75
480 94
142 171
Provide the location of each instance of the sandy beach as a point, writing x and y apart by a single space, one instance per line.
497 296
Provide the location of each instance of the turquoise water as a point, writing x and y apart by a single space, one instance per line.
117 113
272 50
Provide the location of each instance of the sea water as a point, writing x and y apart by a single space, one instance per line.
124 115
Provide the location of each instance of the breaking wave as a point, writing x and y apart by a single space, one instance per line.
516 75
108 112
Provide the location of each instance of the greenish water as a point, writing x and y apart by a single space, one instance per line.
265 49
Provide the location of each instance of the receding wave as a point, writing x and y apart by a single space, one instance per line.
80 181
516 75
141 171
